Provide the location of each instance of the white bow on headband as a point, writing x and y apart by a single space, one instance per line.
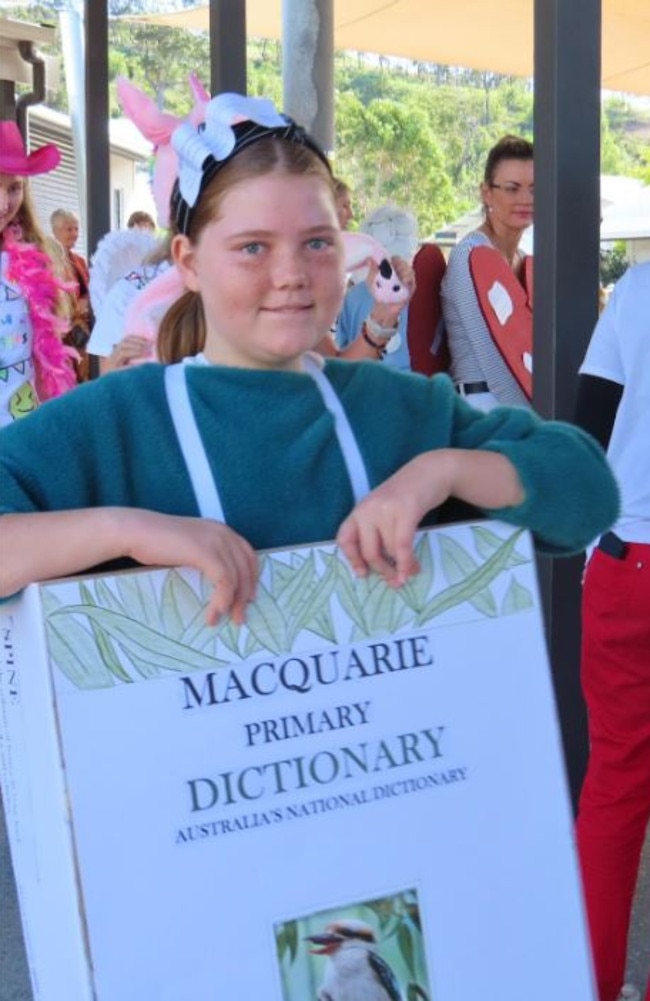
217 138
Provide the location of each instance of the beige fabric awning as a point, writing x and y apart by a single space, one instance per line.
478 34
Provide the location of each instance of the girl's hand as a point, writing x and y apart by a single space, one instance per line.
386 313
41 545
378 533
130 349
227 560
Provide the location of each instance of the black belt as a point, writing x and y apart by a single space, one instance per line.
613 546
469 388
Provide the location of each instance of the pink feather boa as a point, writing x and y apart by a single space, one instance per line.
31 270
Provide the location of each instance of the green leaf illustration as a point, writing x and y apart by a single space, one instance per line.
139 598
229 635
199 634
312 601
103 642
487 541
416 589
386 610
142 642
251 645
106 597
476 582
75 654
296 591
282 573
51 601
146 667
180 606
322 624
265 621
348 594
516 599
457 565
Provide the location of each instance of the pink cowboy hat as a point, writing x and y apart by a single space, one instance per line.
14 159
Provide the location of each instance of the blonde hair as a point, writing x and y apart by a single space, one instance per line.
183 329
25 217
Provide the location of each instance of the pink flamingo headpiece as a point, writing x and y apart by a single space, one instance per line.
157 126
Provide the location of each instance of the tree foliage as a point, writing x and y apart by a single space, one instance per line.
413 133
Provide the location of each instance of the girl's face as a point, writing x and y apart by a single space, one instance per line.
344 209
12 192
270 271
510 195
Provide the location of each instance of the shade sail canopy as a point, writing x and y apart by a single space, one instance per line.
470 33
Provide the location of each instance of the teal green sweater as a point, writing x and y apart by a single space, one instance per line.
273 453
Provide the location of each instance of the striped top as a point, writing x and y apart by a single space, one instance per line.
474 356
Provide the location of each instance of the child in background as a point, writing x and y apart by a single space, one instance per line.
257 442
34 364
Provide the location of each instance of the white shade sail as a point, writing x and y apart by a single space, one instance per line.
470 33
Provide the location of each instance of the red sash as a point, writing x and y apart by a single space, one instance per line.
507 308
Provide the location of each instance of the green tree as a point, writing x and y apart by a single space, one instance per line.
159 59
417 134
389 153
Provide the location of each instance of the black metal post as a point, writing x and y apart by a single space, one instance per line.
98 176
567 223
228 46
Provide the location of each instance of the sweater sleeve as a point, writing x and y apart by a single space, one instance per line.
571 494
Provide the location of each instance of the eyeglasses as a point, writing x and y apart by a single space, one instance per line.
512 190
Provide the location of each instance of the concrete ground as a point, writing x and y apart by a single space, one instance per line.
14 978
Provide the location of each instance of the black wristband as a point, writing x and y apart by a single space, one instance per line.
379 348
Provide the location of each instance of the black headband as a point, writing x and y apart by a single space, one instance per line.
246 133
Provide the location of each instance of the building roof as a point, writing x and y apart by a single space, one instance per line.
125 139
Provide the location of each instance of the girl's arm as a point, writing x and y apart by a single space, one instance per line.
41 545
378 534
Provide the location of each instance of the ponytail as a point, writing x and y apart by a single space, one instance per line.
182 330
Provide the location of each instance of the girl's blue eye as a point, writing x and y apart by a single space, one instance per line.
252 248
318 242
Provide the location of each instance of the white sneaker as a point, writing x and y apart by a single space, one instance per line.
629 993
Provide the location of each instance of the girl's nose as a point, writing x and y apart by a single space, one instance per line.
289 270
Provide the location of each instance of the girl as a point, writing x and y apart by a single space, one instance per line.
255 431
34 364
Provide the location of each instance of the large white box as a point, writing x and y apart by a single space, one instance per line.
188 806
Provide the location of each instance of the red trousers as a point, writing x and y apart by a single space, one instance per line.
614 806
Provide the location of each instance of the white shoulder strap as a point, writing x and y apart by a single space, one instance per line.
189 439
196 460
351 454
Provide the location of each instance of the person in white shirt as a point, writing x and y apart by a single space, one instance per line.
614 807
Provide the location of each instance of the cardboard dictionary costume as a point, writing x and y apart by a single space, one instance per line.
34 364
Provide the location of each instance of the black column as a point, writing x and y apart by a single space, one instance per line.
227 46
567 224
98 181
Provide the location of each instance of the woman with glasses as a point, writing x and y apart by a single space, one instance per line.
487 306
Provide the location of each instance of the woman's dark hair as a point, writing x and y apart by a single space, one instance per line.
507 148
